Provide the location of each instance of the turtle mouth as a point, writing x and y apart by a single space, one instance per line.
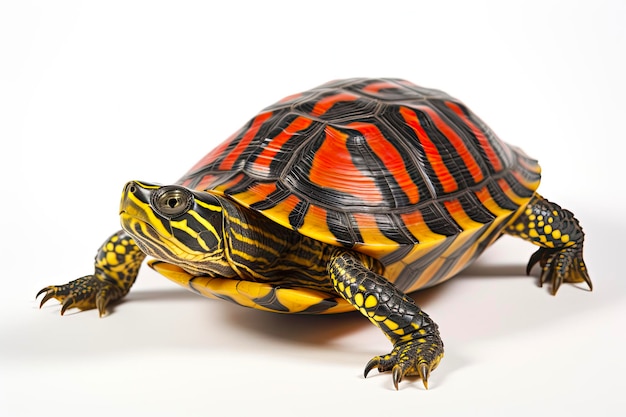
168 249
144 233
150 241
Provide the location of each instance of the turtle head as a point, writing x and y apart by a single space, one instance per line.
177 225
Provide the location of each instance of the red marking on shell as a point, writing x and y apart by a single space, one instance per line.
333 168
262 162
504 186
230 159
390 156
454 208
493 157
446 179
326 103
288 205
456 141
291 98
376 87
215 153
206 182
261 190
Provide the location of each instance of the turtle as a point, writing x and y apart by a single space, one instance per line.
348 196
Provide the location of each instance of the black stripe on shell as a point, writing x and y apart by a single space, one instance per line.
438 221
296 217
467 135
271 302
338 225
451 260
447 152
341 110
500 198
364 156
320 307
516 186
283 156
474 208
499 148
272 199
411 273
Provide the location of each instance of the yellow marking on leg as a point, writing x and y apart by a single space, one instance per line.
391 325
371 301
358 299
111 258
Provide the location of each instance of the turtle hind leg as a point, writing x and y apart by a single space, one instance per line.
417 346
560 239
115 269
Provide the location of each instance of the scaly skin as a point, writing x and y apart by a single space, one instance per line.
560 238
417 346
115 270
259 249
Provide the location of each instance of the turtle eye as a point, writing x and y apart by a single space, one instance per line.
172 201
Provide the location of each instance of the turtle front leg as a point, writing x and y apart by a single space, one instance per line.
560 238
417 346
116 266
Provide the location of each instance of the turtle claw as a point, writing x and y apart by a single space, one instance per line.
49 295
373 363
84 293
424 372
396 375
560 265
418 358
422 369
67 304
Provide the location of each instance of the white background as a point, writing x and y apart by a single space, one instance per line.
93 94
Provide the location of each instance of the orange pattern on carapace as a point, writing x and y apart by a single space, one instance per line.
487 200
371 233
390 157
494 160
215 153
416 224
258 192
334 168
447 181
282 210
456 141
459 215
506 189
376 87
230 159
326 103
290 98
262 162
206 182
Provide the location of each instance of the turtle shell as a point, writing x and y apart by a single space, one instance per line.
403 173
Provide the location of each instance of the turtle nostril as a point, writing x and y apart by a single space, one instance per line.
132 189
